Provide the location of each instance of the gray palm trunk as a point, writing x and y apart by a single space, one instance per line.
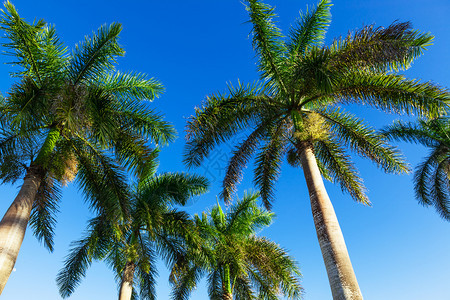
341 276
126 286
14 223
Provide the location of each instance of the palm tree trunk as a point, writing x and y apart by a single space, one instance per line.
14 223
335 255
126 287
15 220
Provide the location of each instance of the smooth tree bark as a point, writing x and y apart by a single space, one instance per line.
341 276
14 222
126 286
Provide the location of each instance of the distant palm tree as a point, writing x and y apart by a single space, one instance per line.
69 115
296 111
130 247
431 178
237 261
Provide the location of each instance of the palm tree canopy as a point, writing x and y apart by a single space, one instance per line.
235 258
72 115
431 177
153 228
304 86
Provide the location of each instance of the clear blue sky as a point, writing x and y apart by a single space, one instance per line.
399 249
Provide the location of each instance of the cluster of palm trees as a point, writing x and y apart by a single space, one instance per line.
72 116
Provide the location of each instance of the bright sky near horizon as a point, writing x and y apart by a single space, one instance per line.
399 249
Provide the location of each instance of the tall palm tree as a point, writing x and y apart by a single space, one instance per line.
130 247
431 178
297 111
68 116
238 262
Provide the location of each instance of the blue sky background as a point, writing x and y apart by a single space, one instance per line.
399 249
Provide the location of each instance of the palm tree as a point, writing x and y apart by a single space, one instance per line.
69 116
237 261
431 178
297 111
131 246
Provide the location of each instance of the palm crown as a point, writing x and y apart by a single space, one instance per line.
431 178
153 228
304 84
237 261
297 112
69 113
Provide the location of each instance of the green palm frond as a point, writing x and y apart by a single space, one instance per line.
147 282
267 42
214 285
135 155
364 140
94 245
23 44
310 29
173 188
132 86
379 48
143 121
184 285
101 180
431 179
268 165
424 174
96 55
241 155
245 217
45 207
392 93
341 169
208 128
411 132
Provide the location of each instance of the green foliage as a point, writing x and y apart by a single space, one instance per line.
431 177
235 260
74 116
152 228
299 101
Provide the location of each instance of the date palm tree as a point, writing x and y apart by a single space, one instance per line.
238 263
431 177
130 247
69 116
297 111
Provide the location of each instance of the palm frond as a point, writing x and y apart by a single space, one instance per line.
424 173
132 86
45 207
268 165
241 155
310 29
393 94
341 169
267 42
96 55
100 179
411 132
379 48
209 128
441 184
364 140
23 44
173 188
